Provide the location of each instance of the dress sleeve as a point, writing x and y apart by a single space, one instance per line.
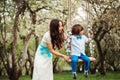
47 38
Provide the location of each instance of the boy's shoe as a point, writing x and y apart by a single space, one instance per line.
74 75
86 74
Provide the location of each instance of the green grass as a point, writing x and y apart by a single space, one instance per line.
80 76
68 76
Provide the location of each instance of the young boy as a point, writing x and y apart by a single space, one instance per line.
78 41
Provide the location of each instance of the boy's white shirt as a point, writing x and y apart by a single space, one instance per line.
78 45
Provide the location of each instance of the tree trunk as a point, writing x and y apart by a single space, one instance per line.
14 73
27 69
25 55
55 64
1 71
102 58
14 59
93 70
31 62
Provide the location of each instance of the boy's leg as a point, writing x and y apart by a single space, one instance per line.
87 64
73 64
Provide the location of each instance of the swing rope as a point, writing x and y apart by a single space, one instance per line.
89 28
68 41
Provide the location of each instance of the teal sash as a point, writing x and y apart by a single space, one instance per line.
45 50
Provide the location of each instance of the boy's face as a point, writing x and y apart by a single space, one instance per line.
81 32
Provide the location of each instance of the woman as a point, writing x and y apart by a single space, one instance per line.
53 39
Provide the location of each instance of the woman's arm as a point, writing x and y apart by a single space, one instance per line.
49 45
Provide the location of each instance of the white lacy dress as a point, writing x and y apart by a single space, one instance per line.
43 68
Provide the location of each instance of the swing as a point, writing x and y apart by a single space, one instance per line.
68 42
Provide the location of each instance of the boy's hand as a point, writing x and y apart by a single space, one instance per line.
90 34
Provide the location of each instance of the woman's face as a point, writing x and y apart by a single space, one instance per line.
60 27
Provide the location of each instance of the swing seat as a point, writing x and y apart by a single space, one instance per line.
92 59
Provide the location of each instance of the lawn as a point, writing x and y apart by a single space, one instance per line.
68 76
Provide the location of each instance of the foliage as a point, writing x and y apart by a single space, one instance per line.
105 24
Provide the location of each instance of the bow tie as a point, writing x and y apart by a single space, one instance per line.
79 37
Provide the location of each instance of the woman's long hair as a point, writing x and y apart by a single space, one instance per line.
57 38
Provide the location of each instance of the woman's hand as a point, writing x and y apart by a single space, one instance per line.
66 58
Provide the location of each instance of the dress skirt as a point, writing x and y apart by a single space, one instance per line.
43 67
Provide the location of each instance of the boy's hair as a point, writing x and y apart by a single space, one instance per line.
76 29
